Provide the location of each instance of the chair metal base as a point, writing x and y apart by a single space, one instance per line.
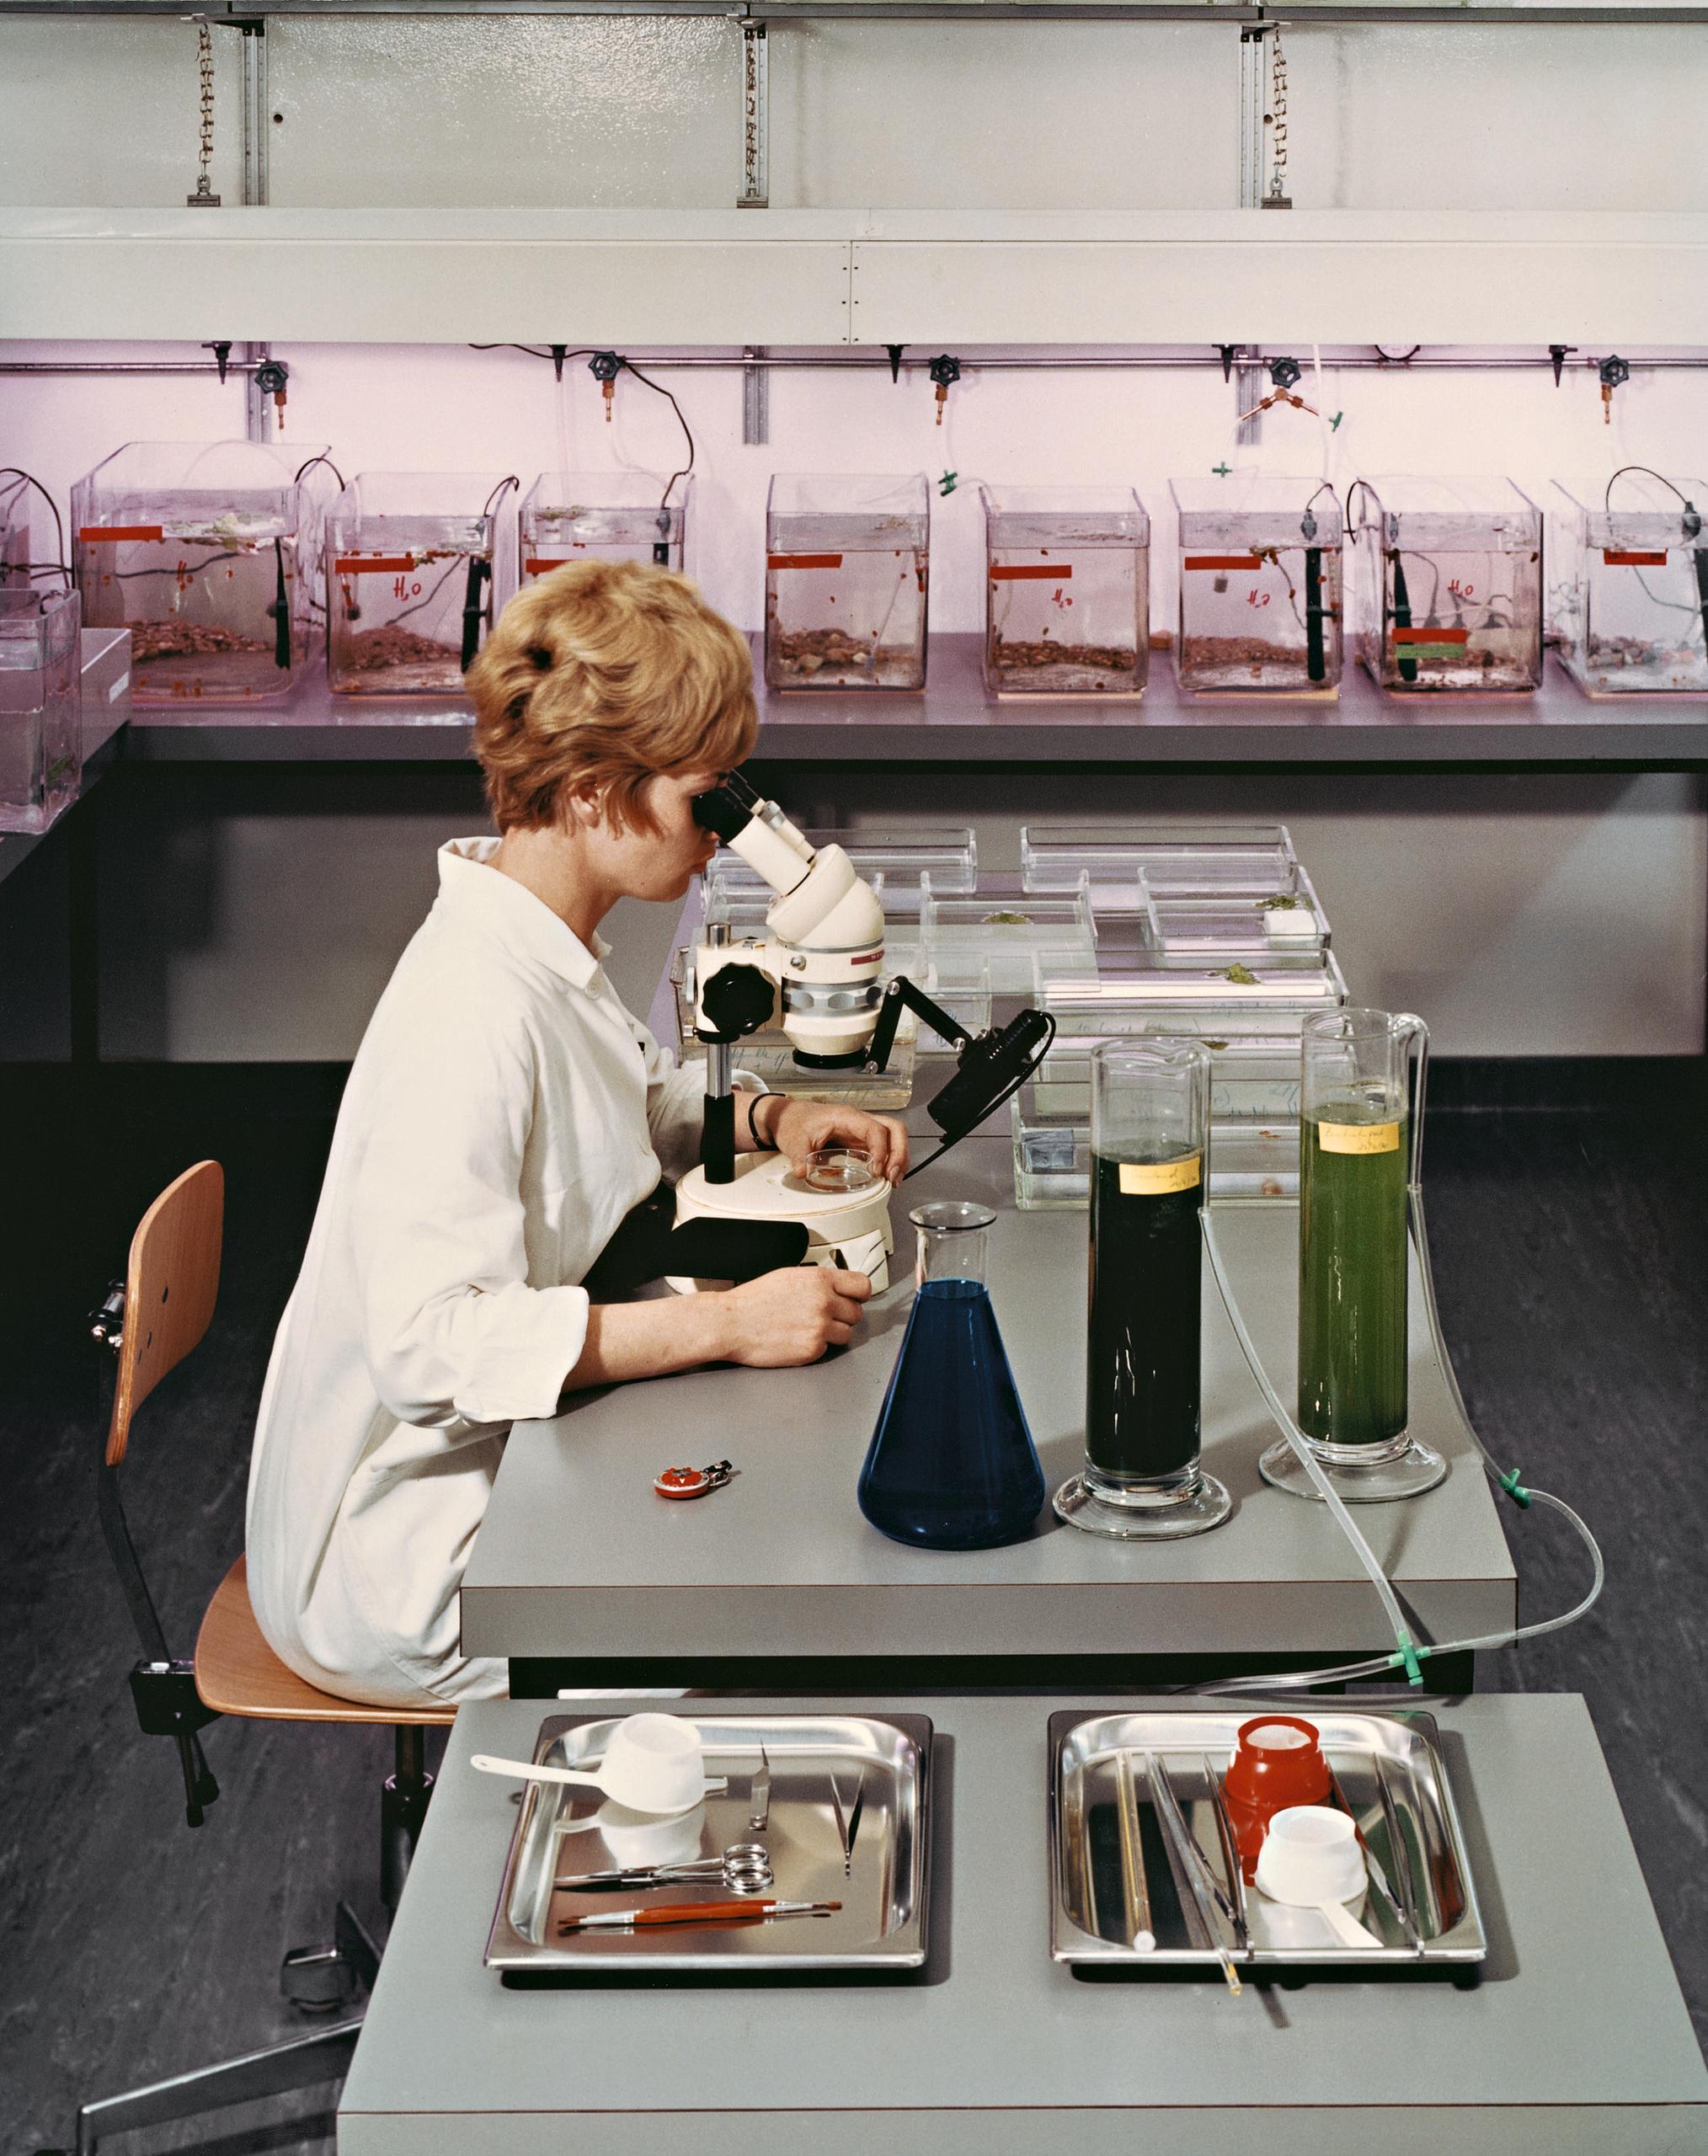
324 2056
299 2062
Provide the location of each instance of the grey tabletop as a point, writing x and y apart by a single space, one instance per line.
577 1557
953 721
1575 2040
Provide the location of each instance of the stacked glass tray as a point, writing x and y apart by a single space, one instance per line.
1212 933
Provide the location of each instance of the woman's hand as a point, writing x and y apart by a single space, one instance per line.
799 1128
786 1318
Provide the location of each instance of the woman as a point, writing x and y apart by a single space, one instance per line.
503 1117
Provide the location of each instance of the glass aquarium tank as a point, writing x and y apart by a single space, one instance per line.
419 565
1067 591
847 564
41 719
611 516
1628 583
1449 575
205 552
1260 585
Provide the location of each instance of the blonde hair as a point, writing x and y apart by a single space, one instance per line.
606 675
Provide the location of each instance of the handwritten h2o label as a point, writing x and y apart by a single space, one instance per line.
1359 1137
1159 1178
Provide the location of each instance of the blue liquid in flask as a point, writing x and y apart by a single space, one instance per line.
951 1465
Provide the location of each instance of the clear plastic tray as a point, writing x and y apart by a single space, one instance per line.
1177 860
1010 934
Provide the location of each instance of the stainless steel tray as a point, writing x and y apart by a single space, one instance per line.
881 1925
1434 1922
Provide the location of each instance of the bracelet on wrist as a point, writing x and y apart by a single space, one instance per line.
760 1145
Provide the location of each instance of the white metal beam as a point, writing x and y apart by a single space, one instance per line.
785 277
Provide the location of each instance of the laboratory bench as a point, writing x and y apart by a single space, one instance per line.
953 721
581 1575
1574 2038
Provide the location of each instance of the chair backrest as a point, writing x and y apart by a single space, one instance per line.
170 1283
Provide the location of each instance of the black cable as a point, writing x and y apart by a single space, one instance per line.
688 432
309 465
1607 498
189 575
512 481
17 471
428 599
533 352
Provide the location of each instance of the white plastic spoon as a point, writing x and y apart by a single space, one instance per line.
531 1770
1345 1926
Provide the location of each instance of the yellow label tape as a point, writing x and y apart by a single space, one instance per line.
1359 1137
1157 1178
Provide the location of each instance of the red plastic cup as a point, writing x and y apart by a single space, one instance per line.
1278 1762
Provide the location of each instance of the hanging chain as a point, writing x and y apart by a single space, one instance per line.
1277 197
204 197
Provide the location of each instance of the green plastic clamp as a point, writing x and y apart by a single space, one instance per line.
1514 1489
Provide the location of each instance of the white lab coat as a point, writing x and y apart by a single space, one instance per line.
504 1113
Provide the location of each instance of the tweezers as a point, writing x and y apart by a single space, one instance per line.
848 1823
1231 1857
759 1796
1399 1912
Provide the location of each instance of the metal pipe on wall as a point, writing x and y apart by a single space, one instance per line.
757 360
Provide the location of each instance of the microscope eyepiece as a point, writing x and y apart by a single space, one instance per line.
723 811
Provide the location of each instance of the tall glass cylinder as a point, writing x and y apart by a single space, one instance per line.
951 1465
1360 1129
1144 1350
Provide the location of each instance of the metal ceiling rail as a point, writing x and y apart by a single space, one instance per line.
748 362
1290 13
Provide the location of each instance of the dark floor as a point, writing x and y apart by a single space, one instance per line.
1572 1245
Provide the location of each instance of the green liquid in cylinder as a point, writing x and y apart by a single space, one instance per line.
1352 1281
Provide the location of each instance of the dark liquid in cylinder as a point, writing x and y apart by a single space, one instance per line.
1352 1276
1142 1362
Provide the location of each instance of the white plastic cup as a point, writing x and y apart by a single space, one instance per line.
653 1763
1310 1855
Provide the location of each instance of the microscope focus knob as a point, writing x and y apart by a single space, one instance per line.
738 1000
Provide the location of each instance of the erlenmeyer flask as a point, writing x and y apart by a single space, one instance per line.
1359 1137
951 1464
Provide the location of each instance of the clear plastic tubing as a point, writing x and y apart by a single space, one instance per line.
1409 1653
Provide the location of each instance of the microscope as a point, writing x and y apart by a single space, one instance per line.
818 971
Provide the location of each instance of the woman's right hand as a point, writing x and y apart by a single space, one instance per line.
789 1317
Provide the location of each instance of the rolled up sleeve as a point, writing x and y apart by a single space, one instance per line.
454 1337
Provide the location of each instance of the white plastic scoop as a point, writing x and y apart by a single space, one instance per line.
1310 1860
652 1763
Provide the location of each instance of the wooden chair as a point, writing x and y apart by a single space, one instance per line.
152 1320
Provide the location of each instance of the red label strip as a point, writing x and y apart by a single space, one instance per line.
112 535
1431 636
373 564
537 565
1222 562
1633 561
1042 571
803 560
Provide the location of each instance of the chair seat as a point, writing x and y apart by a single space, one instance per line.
236 1673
